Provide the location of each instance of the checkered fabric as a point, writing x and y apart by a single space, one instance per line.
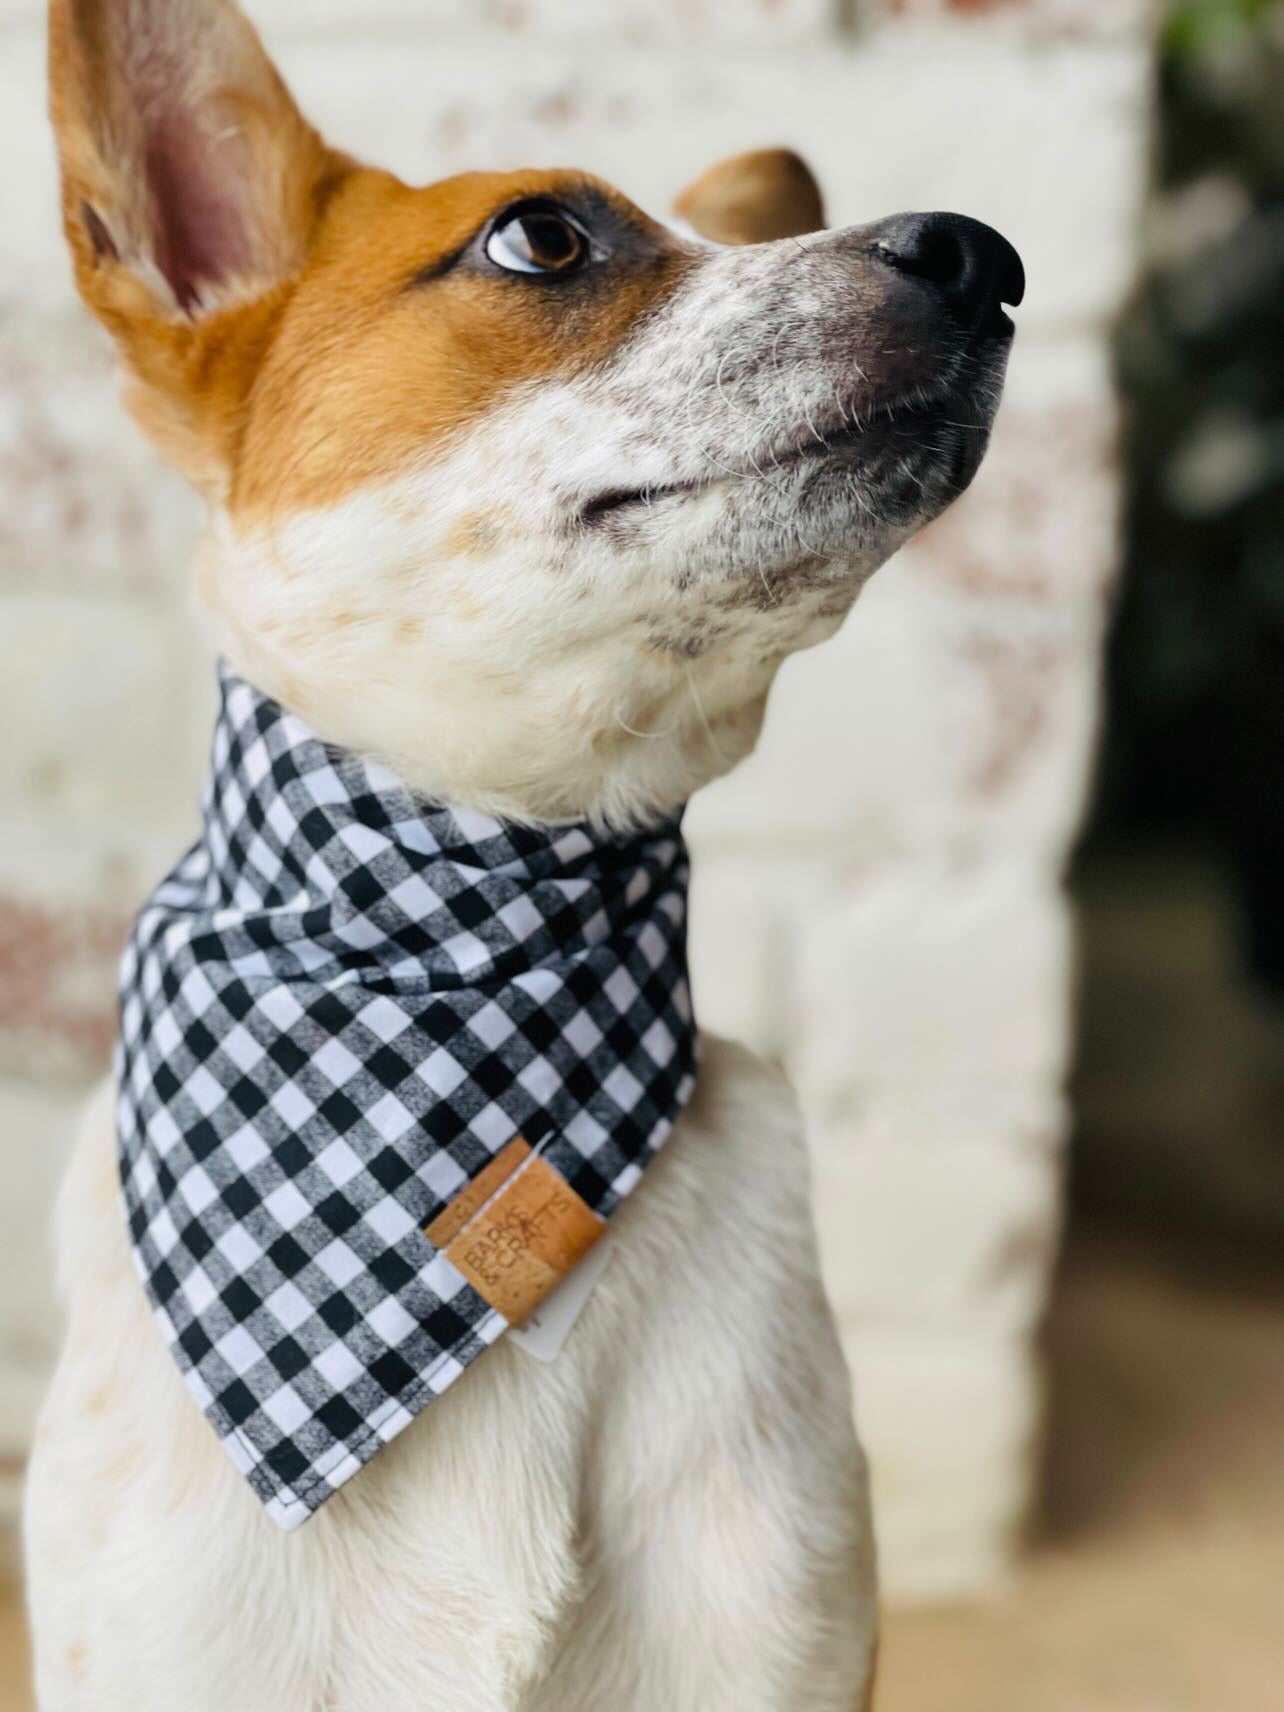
338 1008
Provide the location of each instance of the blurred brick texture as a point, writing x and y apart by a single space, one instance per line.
878 894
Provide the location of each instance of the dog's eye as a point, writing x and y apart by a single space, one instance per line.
537 240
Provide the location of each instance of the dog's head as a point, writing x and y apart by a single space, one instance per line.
509 485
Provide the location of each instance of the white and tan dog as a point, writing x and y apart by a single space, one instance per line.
515 491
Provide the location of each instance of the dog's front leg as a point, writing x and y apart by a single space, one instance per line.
723 1607
724 1524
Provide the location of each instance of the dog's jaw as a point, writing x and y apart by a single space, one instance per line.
578 607
497 682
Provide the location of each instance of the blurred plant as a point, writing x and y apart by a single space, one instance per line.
1200 27
1196 737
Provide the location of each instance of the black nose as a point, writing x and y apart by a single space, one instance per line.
973 266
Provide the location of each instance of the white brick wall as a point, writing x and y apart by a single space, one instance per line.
878 891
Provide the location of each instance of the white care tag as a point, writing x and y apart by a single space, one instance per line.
550 1325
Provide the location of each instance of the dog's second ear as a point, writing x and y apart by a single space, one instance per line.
191 186
753 198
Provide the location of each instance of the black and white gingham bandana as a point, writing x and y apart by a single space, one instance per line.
348 1016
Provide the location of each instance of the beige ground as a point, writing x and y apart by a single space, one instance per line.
1158 1585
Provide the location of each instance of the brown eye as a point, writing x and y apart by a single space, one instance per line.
537 240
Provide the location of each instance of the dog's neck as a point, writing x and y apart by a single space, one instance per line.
597 713
290 821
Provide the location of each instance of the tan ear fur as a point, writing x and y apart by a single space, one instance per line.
191 188
753 198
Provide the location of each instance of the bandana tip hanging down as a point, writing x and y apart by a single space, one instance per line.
384 1073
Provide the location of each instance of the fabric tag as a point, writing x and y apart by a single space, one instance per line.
550 1325
517 1244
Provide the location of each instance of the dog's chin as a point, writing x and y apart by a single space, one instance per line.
832 509
894 476
846 487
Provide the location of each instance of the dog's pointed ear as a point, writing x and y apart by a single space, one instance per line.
191 184
753 198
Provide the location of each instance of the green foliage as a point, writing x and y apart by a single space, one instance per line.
1195 742
1197 28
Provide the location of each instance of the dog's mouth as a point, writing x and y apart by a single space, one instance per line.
866 431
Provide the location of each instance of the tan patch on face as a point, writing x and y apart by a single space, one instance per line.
98 1401
475 534
407 630
375 362
404 510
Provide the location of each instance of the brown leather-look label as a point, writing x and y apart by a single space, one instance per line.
517 1249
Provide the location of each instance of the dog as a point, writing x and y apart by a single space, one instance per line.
523 497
